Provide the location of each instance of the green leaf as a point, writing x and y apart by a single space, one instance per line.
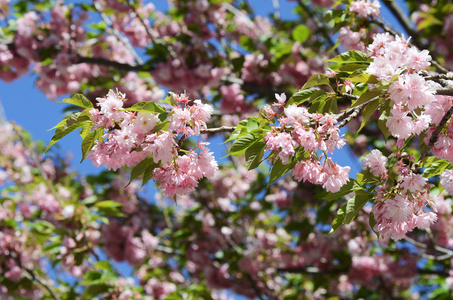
170 99
372 223
107 204
436 168
349 68
141 167
318 102
301 33
254 154
338 221
74 121
385 113
89 141
317 79
300 96
352 56
78 100
368 95
252 124
103 265
94 290
279 169
365 78
354 205
368 111
147 106
43 227
241 144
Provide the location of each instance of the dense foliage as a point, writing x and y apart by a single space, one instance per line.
279 218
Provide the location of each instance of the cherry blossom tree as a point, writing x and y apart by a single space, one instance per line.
151 92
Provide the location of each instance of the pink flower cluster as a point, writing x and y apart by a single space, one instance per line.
131 137
323 136
375 161
398 212
410 93
366 8
121 243
393 56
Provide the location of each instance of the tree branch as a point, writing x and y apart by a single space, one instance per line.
317 271
116 33
110 63
40 282
319 24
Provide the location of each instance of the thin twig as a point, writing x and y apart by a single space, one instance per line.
116 33
150 34
40 282
319 24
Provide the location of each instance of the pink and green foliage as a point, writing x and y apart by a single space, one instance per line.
279 217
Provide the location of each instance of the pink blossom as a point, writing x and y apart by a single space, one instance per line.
411 90
375 161
295 114
280 100
145 122
111 105
418 60
365 8
282 144
162 147
337 176
413 182
351 40
399 124
446 180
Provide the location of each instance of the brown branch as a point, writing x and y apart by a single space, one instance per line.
110 63
448 254
319 24
116 33
448 76
445 92
405 22
317 271
218 130
40 282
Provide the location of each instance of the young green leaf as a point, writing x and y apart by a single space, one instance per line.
147 106
89 141
338 221
301 96
254 154
436 168
354 205
78 100
301 33
368 111
279 169
352 56
241 144
74 121
316 79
